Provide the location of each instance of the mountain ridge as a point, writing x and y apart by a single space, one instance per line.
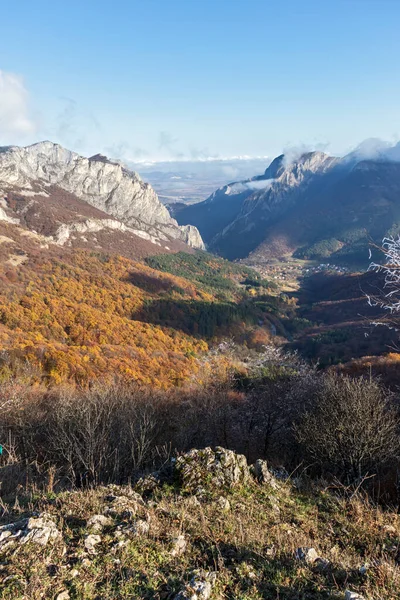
98 181
297 204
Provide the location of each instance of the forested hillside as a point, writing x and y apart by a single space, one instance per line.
87 314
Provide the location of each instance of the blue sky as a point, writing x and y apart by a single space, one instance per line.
164 79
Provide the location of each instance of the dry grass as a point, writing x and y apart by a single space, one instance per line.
251 546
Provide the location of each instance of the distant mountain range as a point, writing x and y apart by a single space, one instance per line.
66 199
315 207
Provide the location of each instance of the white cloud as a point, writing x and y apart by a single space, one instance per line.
15 119
261 184
375 149
242 186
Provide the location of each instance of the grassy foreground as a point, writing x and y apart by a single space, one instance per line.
159 540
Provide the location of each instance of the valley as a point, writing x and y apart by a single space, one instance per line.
200 300
128 349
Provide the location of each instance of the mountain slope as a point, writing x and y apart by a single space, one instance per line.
223 206
339 216
97 181
68 314
314 207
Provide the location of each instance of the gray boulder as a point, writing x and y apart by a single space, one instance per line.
263 474
220 467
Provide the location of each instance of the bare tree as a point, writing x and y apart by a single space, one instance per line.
388 298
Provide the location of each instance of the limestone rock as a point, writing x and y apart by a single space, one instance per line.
224 503
102 183
179 545
97 523
122 506
263 474
219 467
199 588
91 541
141 527
148 483
39 530
137 529
352 596
307 555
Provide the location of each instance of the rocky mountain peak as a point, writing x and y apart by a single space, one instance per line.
104 184
311 161
275 168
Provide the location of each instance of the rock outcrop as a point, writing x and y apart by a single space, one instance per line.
40 530
104 184
220 468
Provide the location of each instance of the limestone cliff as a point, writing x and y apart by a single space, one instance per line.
104 184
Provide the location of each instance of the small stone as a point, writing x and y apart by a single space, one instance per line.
307 555
224 503
91 541
97 523
4 535
200 587
352 596
270 551
63 596
141 527
74 573
179 545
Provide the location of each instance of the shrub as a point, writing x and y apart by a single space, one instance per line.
351 427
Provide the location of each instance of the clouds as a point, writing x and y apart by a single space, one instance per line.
293 153
375 149
16 121
253 185
261 184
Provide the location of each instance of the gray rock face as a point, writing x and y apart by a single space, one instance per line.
102 183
